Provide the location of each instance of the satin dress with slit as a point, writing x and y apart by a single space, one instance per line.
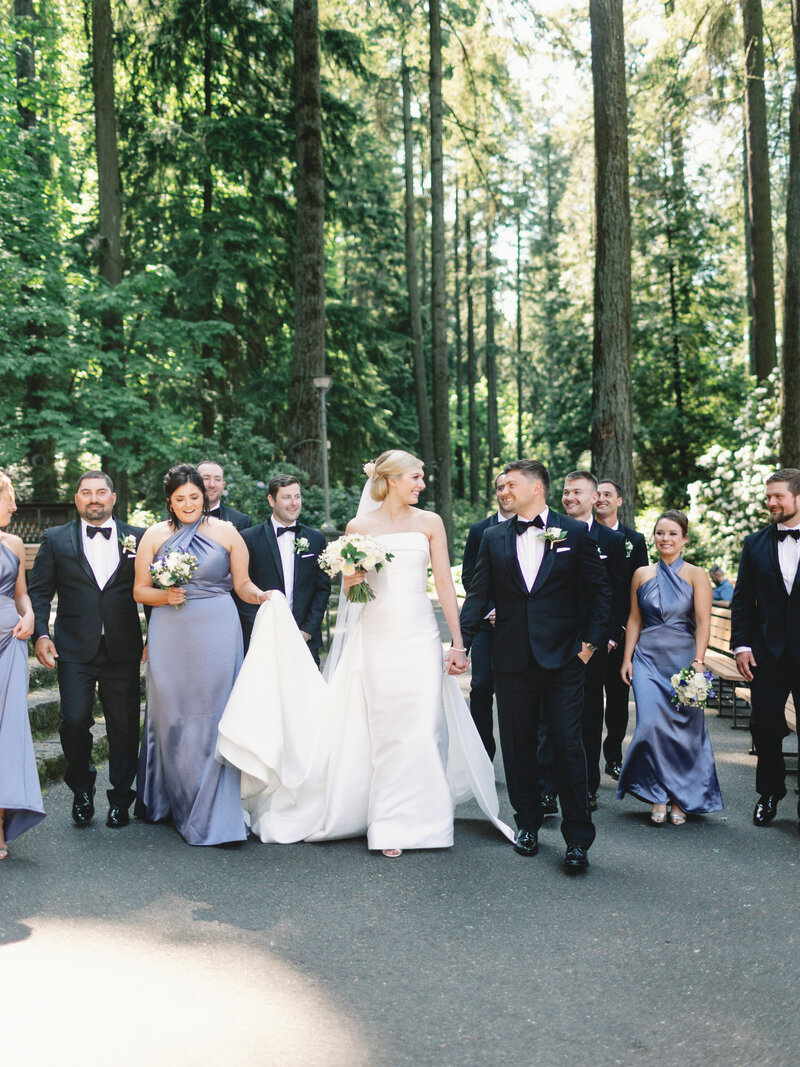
20 794
194 655
670 756
387 749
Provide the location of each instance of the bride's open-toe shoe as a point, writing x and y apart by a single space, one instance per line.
3 852
392 853
658 816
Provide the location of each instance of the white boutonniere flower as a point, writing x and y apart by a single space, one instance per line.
301 545
628 548
553 535
128 545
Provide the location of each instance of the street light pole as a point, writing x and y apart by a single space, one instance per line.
322 383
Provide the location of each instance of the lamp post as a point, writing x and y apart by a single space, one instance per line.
322 383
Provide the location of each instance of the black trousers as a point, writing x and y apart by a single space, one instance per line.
117 683
522 697
769 689
481 693
592 724
617 696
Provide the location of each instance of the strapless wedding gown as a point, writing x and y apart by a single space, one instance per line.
386 750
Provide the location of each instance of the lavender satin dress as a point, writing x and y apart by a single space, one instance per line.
670 756
194 655
20 794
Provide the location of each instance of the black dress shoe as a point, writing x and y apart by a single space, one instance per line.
117 816
82 809
526 843
593 802
765 810
613 769
549 806
576 858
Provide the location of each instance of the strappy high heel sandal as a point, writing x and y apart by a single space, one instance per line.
658 818
392 853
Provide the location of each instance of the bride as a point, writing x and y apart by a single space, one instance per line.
389 746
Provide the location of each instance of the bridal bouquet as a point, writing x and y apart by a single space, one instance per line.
351 553
692 689
173 568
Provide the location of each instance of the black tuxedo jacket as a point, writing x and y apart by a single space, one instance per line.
85 612
312 587
764 616
638 552
238 518
474 538
611 544
570 600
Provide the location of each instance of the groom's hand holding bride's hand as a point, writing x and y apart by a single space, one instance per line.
455 662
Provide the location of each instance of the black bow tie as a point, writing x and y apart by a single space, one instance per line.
216 512
93 531
783 534
287 529
522 525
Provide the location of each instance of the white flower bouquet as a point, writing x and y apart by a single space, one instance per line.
173 568
351 553
692 688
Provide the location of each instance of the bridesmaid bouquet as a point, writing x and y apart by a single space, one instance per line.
351 553
173 568
692 689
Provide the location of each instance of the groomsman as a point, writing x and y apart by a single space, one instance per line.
283 555
481 693
765 633
609 501
214 480
88 565
543 573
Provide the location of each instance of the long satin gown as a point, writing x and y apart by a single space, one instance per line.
194 655
386 750
20 794
670 757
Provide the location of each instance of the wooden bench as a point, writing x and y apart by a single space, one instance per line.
721 661
743 693
30 555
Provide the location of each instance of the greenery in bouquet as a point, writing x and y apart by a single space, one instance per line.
351 553
692 688
173 569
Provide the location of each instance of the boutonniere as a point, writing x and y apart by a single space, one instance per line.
128 545
554 535
301 545
628 548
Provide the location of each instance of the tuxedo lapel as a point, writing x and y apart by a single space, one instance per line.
77 544
511 556
549 558
272 541
116 533
775 563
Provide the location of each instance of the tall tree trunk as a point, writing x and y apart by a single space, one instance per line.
551 278
208 406
751 318
493 432
472 371
519 334
612 419
439 361
40 453
109 237
461 474
790 399
412 282
308 343
759 208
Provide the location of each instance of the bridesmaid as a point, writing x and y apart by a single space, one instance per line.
669 759
20 795
194 654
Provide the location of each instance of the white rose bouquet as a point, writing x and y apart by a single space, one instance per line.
351 553
692 688
173 568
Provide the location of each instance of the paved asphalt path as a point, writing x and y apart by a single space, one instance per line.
678 947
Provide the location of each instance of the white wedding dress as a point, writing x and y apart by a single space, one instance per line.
386 749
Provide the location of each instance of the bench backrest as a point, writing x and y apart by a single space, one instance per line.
720 639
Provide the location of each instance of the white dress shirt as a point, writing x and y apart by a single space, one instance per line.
286 549
102 555
530 551
788 556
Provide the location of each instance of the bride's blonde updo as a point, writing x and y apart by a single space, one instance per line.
388 465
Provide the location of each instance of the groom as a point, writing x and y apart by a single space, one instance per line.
283 555
88 565
552 602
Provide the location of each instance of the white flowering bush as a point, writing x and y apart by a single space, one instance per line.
729 503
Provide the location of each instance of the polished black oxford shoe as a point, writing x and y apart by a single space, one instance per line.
526 842
82 809
117 816
613 769
765 810
576 858
549 806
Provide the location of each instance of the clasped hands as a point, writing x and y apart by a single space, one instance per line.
455 661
